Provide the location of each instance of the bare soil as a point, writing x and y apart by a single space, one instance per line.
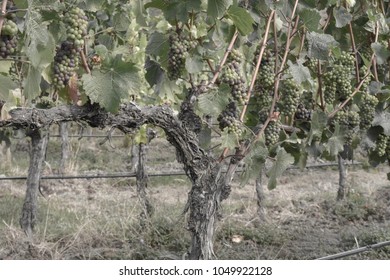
100 219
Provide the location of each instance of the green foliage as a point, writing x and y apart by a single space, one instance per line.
151 52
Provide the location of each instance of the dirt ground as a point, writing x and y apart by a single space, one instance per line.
100 219
304 220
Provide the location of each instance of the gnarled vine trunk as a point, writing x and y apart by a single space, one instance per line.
342 178
209 185
39 140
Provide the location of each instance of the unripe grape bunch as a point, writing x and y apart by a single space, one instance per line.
9 31
228 119
66 60
179 46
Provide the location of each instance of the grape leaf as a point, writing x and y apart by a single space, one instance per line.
108 86
335 143
93 5
5 66
6 86
215 102
228 140
299 72
320 45
41 54
381 52
318 123
194 64
282 162
311 18
254 161
241 19
382 119
158 45
342 16
216 8
32 87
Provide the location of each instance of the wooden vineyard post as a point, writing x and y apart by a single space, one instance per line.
142 179
64 160
39 140
261 211
342 178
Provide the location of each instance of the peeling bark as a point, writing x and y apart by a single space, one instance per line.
39 141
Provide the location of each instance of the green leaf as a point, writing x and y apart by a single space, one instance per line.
154 73
299 72
311 18
382 119
141 137
158 4
94 5
41 55
335 143
35 28
319 121
216 8
5 66
228 140
167 89
179 10
381 52
194 64
282 162
254 162
320 45
6 86
32 87
214 102
158 45
121 21
109 86
241 19
342 16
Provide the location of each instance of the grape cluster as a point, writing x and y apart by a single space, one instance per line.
266 75
229 119
8 45
76 26
179 46
305 106
367 110
8 39
289 97
66 62
271 132
232 76
381 144
337 81
302 113
349 121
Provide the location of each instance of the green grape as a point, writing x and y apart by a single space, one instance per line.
179 46
228 119
271 132
8 45
232 76
349 122
76 26
367 110
66 63
289 97
381 144
337 82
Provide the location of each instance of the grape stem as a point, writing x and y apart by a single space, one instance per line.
85 63
2 15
